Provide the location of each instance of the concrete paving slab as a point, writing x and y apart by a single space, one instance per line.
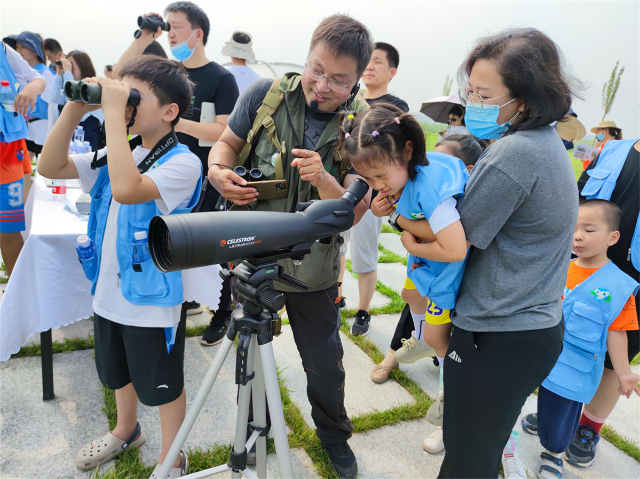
80 329
625 418
200 319
351 293
392 275
396 452
302 466
391 241
217 418
41 439
361 394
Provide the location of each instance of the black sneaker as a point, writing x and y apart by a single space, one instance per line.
193 308
582 450
530 423
217 328
361 325
343 460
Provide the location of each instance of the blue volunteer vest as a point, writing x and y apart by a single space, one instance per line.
13 126
603 180
589 309
42 107
149 286
444 177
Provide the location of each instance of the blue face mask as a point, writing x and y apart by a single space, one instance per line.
600 136
182 52
482 120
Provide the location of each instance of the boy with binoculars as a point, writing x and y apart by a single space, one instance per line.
141 306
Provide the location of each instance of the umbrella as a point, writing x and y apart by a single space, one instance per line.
438 108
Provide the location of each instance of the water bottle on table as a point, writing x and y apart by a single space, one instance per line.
59 189
7 97
140 250
79 135
85 247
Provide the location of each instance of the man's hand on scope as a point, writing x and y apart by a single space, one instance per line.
231 186
309 166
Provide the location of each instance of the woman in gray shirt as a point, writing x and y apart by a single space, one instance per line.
519 212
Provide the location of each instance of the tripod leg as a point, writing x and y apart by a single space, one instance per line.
274 400
193 412
260 417
244 397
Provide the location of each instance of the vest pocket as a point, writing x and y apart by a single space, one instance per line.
90 267
573 367
587 322
597 178
148 282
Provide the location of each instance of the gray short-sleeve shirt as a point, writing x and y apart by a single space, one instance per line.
519 213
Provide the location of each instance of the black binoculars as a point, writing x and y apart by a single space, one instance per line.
152 22
254 174
91 93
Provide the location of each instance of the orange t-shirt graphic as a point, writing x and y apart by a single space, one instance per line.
627 320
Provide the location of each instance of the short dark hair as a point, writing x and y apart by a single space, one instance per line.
343 35
393 57
359 145
109 68
532 68
195 16
154 48
616 133
241 37
167 79
52 45
464 147
611 212
456 110
84 63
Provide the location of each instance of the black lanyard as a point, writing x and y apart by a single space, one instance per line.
162 147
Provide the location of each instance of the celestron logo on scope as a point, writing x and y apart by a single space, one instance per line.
238 242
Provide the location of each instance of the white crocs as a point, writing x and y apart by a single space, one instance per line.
175 471
106 448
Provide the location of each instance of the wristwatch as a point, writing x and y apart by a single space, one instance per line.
393 222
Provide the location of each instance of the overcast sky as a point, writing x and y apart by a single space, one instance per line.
432 37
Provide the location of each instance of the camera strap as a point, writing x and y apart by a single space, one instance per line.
162 147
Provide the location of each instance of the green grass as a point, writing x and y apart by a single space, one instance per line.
69 345
388 229
636 360
388 256
3 269
626 445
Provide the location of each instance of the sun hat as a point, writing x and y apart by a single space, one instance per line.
30 40
239 50
605 124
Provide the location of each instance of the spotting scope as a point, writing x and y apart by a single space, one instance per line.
178 242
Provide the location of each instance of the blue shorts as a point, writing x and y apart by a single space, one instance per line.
12 207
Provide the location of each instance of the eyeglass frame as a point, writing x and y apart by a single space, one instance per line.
464 99
329 80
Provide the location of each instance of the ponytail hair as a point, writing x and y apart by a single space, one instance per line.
379 135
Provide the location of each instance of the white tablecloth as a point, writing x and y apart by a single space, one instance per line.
48 288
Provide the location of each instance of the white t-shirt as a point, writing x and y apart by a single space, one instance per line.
444 215
21 69
176 181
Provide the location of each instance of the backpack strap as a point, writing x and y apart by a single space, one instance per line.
272 101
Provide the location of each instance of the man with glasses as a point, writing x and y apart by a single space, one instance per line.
306 122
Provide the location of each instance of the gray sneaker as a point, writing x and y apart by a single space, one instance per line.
413 349
435 414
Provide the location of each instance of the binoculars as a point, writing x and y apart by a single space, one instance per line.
254 174
152 22
91 93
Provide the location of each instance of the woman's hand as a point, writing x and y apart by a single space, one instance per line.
380 206
67 67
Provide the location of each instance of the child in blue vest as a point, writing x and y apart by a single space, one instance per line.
139 347
387 148
598 309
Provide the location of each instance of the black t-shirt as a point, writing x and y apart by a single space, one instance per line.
626 195
213 84
389 98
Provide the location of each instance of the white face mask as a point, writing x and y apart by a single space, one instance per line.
182 52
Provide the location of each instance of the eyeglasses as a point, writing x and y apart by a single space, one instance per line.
467 96
334 85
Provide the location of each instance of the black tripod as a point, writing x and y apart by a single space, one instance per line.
255 373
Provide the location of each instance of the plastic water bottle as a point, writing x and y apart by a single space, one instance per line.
85 247
79 135
141 248
72 148
7 97
87 147
59 189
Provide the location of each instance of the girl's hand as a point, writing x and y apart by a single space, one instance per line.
409 242
66 65
629 385
380 206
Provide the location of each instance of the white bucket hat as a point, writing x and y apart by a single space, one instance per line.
239 50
